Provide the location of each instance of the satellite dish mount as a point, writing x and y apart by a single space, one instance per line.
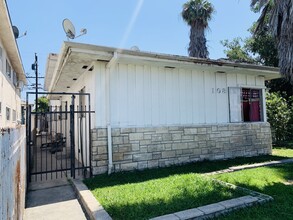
16 32
69 29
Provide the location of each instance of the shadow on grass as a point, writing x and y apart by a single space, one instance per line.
147 209
105 180
283 144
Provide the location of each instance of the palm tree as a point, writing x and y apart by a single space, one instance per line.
280 14
197 14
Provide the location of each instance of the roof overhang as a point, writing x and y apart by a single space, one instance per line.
9 42
75 58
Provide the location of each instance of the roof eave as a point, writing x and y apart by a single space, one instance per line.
9 42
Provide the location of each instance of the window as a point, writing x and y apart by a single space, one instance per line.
7 114
1 55
0 108
8 69
14 78
245 105
13 115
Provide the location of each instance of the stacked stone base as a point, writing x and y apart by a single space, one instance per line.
153 147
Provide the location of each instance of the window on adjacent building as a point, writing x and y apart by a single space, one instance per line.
8 69
1 55
13 115
14 78
245 105
8 114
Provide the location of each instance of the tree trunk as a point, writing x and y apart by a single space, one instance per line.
197 43
282 25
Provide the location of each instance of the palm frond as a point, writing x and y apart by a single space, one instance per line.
259 3
280 14
261 20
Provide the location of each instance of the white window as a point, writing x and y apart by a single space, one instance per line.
245 105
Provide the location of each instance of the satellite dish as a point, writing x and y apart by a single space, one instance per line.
15 32
69 28
135 48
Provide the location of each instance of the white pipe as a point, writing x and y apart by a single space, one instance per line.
109 70
110 154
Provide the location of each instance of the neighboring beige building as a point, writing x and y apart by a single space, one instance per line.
12 140
12 76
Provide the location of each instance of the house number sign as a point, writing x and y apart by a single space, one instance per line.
219 90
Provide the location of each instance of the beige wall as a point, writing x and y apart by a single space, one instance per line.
9 95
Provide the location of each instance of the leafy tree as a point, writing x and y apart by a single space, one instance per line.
263 47
260 48
43 104
197 14
236 51
280 23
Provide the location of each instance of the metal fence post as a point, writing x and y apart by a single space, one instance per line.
72 141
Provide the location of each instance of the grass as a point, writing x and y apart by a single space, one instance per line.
161 196
267 180
283 152
150 193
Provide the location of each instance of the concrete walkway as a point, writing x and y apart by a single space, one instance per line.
52 200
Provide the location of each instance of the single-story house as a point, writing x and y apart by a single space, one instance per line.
155 110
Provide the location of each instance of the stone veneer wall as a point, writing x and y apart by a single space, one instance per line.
141 148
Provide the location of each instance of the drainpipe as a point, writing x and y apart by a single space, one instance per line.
109 70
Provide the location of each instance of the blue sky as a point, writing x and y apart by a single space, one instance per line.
152 25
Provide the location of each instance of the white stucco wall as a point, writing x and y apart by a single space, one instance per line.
9 95
143 95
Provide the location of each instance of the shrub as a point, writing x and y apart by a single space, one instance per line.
279 115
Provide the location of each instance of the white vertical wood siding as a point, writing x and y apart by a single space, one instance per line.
143 95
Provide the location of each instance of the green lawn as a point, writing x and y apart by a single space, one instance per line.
283 152
267 180
150 193
147 199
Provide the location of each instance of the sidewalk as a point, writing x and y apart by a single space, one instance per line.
52 200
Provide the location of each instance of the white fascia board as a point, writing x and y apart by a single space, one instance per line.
56 74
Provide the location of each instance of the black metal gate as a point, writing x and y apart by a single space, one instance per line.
59 137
